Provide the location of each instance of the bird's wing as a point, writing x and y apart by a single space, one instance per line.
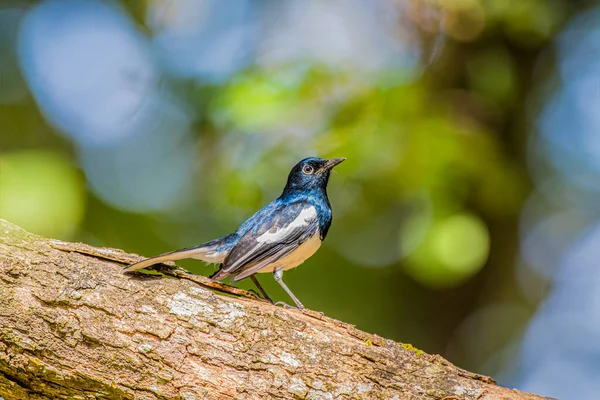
271 238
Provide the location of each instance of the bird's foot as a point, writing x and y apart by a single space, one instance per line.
286 305
260 297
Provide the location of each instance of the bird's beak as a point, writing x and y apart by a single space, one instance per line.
331 163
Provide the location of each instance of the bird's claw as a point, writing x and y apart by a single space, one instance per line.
287 306
259 296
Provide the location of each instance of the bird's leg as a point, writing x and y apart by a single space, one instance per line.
278 274
262 290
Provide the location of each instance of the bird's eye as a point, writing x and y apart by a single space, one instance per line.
307 169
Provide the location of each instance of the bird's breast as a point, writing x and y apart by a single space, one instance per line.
298 256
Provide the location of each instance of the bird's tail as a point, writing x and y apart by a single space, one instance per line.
214 251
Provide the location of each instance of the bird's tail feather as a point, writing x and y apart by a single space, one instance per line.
214 251
171 256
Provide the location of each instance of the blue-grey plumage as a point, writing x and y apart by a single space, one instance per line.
280 236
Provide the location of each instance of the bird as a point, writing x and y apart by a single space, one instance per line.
278 237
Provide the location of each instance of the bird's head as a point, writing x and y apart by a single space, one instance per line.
310 174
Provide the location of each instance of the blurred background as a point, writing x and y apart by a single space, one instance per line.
466 219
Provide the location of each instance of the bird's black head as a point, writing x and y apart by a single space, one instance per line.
310 174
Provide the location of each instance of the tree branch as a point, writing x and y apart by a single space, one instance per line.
72 326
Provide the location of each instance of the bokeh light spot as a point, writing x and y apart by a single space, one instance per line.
455 248
90 71
461 243
464 20
254 104
41 192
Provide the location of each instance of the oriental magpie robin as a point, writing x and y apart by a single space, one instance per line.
278 237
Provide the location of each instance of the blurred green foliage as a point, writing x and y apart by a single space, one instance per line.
41 191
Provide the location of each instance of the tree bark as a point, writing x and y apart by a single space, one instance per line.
72 326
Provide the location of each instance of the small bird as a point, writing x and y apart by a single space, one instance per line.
278 237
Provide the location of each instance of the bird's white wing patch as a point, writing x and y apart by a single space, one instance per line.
305 217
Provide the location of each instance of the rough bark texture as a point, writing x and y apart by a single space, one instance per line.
72 326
